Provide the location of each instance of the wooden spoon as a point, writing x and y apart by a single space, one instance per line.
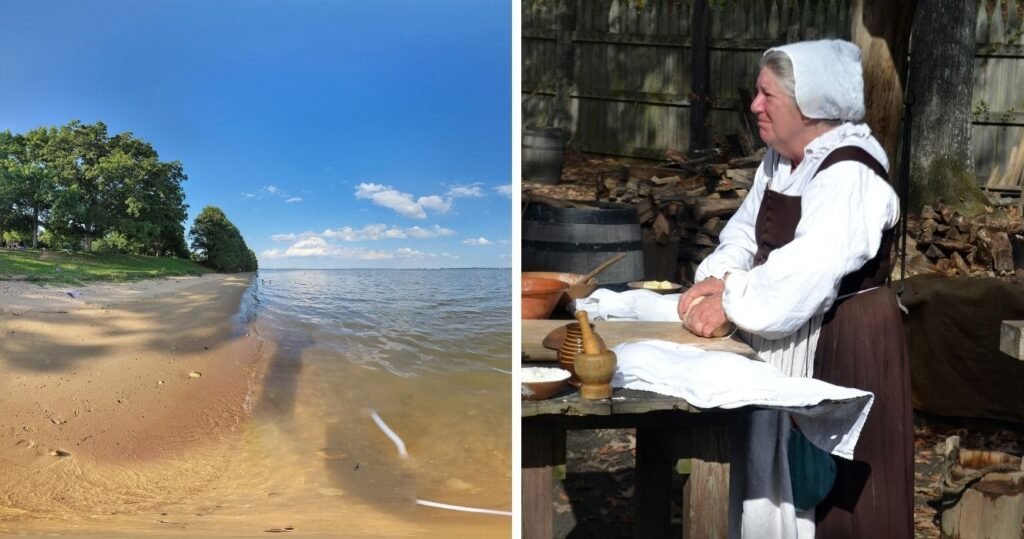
604 265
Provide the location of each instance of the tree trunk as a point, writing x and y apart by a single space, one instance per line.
35 228
941 82
882 31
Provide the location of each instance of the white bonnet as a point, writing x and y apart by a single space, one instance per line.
829 79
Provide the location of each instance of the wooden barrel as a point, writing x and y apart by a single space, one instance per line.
542 155
578 240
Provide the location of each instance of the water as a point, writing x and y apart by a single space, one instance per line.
428 351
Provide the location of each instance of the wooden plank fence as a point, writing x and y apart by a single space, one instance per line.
620 77
998 101
629 86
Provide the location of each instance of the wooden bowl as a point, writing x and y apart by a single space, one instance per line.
577 288
540 296
639 285
537 390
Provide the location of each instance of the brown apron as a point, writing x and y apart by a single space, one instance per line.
861 345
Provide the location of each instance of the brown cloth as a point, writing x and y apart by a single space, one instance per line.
953 339
861 345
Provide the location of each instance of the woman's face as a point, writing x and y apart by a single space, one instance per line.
778 119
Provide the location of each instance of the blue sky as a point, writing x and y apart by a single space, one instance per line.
333 133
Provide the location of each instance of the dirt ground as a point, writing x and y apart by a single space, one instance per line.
596 497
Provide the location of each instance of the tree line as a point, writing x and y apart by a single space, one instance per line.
78 187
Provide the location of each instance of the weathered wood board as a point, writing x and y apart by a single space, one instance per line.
1011 338
615 333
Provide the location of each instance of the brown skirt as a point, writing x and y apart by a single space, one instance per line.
862 345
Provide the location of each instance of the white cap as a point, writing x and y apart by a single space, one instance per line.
829 79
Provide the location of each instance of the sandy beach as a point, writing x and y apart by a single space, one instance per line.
120 372
116 381
151 408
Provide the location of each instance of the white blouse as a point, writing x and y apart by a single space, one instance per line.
844 211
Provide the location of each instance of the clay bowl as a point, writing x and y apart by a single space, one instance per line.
639 285
577 288
540 296
540 390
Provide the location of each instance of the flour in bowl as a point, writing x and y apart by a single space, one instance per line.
544 374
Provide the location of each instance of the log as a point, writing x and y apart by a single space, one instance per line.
934 252
957 262
991 507
713 227
947 244
709 207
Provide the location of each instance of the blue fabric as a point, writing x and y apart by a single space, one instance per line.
811 470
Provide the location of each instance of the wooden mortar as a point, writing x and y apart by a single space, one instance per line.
594 366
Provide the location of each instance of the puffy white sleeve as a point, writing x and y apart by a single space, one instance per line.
845 209
737 244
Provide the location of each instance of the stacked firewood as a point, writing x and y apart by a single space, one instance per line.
941 239
683 205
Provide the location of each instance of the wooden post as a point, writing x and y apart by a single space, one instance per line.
1010 341
653 485
539 455
706 492
700 74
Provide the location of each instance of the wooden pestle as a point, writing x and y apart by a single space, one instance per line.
590 344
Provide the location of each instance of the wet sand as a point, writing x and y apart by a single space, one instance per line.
142 409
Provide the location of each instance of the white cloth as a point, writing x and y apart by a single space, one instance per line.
844 211
760 492
643 305
830 416
829 80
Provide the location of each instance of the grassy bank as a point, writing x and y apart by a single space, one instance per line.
71 268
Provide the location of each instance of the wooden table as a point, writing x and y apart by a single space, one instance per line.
667 428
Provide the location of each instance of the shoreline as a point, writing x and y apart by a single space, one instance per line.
122 372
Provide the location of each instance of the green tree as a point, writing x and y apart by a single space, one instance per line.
26 180
148 204
218 243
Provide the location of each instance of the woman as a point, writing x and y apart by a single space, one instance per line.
801 270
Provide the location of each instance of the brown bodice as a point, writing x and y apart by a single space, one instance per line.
779 214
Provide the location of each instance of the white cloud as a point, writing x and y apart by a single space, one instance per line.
385 232
405 204
388 197
368 232
424 233
249 195
477 241
294 199
317 247
504 189
283 237
271 189
435 203
462 191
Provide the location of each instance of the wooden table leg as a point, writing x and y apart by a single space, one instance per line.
706 492
539 455
653 485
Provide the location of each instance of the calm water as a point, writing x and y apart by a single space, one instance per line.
428 352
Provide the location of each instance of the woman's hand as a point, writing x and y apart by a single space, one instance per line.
706 317
707 287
